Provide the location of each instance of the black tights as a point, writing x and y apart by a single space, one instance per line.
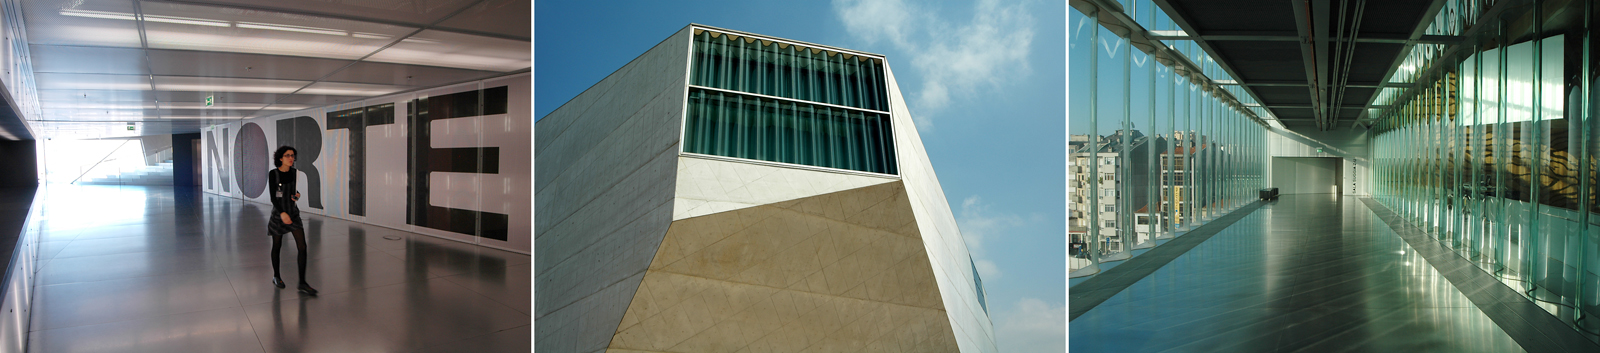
299 244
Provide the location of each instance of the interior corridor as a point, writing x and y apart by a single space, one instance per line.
150 269
1314 273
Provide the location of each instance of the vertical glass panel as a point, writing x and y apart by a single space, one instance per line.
1110 145
1082 220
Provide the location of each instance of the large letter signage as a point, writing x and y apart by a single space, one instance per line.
424 160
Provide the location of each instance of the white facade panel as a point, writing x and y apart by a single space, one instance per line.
709 185
947 250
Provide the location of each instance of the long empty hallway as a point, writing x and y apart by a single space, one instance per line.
150 269
1311 273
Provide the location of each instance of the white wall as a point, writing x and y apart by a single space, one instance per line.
1305 175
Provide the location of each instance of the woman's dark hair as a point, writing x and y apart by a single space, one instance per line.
277 156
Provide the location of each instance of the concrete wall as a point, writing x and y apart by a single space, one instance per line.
606 165
1306 175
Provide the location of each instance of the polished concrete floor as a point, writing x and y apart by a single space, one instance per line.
150 269
1307 273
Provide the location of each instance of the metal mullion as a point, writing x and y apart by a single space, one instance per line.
1530 239
1124 208
1092 237
787 99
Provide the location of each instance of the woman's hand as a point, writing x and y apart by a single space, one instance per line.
297 196
285 217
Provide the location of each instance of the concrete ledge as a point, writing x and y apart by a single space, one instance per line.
1095 290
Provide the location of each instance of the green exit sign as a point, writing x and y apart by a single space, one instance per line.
1319 149
211 100
130 127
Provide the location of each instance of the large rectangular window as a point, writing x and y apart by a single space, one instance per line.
745 64
752 127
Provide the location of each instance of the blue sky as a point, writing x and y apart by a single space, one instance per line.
985 81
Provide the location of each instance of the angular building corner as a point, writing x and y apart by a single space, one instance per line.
727 191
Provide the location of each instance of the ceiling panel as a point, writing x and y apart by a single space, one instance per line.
80 130
92 82
227 84
1292 113
87 60
317 99
351 89
217 64
448 49
86 22
418 12
405 75
50 96
503 17
1257 61
211 28
99 114
1397 18
1283 95
1209 16
220 98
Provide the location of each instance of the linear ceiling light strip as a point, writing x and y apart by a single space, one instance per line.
364 58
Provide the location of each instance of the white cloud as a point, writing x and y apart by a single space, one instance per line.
954 58
979 224
1032 325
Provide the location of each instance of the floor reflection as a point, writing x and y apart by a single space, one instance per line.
125 267
1305 273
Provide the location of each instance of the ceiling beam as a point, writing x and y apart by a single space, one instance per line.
1304 23
1292 37
1301 83
1301 106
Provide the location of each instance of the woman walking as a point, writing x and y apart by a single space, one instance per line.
285 216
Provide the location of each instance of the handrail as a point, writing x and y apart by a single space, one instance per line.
102 160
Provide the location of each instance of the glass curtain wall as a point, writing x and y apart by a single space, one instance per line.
1157 147
774 101
1488 149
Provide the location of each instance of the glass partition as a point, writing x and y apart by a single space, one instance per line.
1488 151
1157 146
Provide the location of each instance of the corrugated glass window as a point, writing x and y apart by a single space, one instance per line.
762 128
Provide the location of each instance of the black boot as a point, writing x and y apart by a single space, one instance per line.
306 288
277 282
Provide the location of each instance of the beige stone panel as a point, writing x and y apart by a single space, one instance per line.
799 276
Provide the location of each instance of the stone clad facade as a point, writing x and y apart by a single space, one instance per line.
644 247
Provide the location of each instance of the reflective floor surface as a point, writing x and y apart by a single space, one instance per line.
150 269
1307 273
